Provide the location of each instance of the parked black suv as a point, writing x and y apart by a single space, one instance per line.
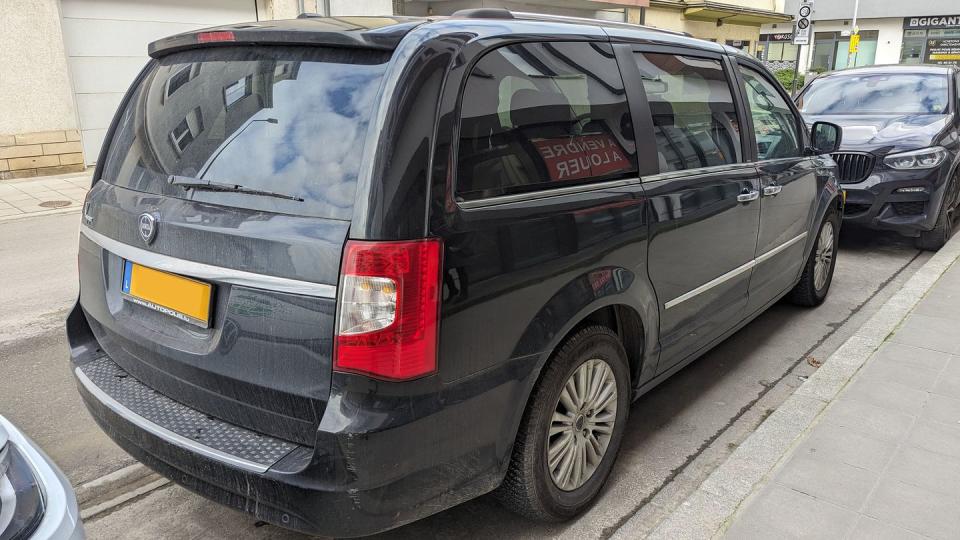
901 145
345 273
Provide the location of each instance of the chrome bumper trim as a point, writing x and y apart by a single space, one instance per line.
208 272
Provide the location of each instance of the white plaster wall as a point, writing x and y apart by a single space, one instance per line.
35 93
361 7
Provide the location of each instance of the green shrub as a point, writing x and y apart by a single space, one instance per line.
785 76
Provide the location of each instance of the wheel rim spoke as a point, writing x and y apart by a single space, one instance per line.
582 424
823 258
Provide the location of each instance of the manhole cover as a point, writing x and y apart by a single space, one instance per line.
54 204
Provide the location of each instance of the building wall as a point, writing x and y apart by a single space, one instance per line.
874 9
672 19
38 121
446 7
889 40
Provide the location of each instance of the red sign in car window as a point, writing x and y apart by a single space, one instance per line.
582 156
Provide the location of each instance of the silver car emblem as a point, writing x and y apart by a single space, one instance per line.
148 227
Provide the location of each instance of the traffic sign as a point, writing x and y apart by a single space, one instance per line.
802 34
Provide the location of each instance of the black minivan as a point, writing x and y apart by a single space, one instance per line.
345 273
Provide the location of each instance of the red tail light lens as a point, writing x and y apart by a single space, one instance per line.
212 37
388 309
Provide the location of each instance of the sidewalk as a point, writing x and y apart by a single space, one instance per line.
884 459
868 447
43 195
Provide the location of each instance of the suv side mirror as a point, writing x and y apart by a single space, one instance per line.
825 137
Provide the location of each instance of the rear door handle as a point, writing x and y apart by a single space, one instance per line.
771 190
748 196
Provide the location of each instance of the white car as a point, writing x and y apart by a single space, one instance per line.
36 500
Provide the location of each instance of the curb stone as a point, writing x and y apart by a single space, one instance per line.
707 512
108 485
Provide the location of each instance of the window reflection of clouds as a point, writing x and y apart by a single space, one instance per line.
877 94
296 123
318 136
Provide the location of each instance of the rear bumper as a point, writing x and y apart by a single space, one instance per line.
381 458
875 202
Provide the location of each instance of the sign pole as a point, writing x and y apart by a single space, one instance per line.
801 37
796 73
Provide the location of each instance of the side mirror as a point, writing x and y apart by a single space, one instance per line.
825 137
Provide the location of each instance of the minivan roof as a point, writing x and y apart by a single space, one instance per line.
385 33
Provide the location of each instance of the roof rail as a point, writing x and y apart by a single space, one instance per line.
523 15
483 13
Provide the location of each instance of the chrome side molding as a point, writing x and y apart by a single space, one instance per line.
734 273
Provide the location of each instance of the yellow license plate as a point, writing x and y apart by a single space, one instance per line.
184 298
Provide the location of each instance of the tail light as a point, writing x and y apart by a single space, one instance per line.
389 308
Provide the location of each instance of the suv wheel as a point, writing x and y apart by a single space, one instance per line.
817 275
935 238
571 431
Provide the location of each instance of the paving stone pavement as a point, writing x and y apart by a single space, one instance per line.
883 461
43 195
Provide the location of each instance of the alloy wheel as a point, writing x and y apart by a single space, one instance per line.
582 424
824 256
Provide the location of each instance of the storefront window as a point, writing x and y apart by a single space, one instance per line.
913 42
931 40
831 50
781 52
777 48
743 45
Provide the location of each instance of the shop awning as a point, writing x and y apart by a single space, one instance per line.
728 13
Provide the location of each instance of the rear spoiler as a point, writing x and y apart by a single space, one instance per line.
330 32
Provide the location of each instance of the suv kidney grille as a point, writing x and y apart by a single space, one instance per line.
853 167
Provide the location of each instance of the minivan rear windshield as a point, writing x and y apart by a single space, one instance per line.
876 93
268 120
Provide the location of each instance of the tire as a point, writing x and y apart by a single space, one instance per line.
530 488
935 238
815 281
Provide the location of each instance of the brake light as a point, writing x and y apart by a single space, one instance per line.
388 309
212 37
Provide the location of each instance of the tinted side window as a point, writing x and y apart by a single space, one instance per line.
694 118
775 126
541 115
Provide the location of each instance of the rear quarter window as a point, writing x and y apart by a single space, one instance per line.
540 115
286 120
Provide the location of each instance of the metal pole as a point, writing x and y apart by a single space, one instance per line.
796 73
856 9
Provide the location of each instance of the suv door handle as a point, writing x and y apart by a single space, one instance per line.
771 190
748 196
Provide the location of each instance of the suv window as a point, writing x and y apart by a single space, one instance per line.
542 115
279 119
694 118
774 124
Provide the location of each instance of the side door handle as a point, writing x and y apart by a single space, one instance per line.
772 190
748 196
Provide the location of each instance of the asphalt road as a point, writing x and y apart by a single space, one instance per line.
676 435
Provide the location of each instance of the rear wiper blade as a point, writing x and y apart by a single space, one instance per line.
200 184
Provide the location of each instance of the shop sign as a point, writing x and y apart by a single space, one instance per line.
934 21
943 51
776 37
